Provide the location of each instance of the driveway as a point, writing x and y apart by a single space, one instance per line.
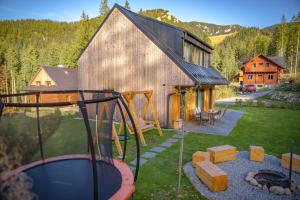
244 97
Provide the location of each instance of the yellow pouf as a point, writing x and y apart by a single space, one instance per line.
256 153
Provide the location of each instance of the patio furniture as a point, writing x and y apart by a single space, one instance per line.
212 176
200 156
204 116
197 113
222 153
256 153
285 162
223 113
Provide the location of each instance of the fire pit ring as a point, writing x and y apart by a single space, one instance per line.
272 178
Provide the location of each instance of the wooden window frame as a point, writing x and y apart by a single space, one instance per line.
48 83
270 77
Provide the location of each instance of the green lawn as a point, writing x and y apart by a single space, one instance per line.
274 129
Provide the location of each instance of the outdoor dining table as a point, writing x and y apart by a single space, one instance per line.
211 115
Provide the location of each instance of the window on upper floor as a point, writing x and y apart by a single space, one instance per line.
270 76
261 63
48 83
195 55
267 64
254 65
250 77
38 83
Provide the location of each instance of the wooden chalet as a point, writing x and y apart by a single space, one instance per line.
54 79
130 52
262 70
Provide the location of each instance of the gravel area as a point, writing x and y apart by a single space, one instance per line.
238 187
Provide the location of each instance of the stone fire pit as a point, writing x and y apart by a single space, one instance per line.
272 181
238 187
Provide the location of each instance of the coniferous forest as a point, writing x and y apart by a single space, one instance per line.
25 45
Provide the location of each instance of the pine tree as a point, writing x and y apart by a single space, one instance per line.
282 35
127 5
104 8
12 67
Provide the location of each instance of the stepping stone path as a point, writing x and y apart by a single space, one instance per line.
142 161
155 150
149 155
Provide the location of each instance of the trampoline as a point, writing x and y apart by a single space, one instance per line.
94 175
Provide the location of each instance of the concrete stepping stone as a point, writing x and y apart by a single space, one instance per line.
149 155
142 161
172 140
158 149
177 136
166 144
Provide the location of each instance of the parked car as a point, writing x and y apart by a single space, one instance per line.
249 88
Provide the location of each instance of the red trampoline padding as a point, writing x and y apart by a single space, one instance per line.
125 190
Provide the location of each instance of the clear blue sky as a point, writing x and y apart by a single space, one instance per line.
259 13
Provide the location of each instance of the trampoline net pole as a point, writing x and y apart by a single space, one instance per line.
136 139
125 130
1 109
83 110
38 124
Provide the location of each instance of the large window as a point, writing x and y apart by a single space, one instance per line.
195 55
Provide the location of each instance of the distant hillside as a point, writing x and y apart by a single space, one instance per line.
215 40
214 29
200 29
167 17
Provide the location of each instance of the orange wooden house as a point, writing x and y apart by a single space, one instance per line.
262 70
54 79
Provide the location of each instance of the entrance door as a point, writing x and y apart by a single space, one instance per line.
200 99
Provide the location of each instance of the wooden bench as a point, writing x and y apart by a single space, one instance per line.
256 153
212 176
222 153
200 156
285 162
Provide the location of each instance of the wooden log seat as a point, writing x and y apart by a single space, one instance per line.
256 153
200 156
212 176
222 153
285 162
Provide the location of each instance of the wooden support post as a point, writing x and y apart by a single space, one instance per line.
128 97
117 141
148 96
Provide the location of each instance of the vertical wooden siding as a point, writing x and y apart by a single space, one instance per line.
122 58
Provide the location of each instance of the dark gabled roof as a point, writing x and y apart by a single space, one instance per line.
200 75
279 60
64 78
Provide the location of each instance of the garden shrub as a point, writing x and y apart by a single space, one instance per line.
20 131
260 103
238 102
250 102
224 91
273 105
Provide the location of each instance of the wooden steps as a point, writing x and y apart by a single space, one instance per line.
285 162
212 176
222 153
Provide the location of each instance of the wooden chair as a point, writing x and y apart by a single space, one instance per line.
204 117
197 113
